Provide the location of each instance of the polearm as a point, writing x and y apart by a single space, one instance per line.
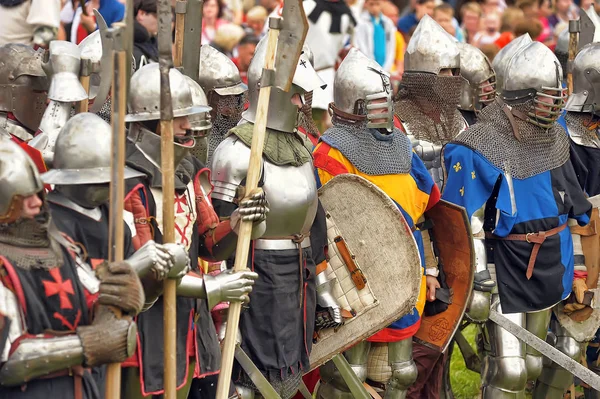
168 187
574 28
280 74
117 180
84 78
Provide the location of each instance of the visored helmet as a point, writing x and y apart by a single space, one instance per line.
361 87
23 84
586 81
541 85
479 86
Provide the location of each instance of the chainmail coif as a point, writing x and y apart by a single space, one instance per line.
27 243
538 151
223 123
582 129
370 151
427 104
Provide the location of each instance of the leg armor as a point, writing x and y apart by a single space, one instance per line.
537 323
504 373
554 380
245 393
332 383
404 370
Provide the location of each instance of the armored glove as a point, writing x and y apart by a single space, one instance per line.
179 259
478 308
120 287
229 286
151 258
253 208
578 304
329 313
109 339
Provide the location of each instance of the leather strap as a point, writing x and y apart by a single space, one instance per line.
511 119
296 239
537 239
585 231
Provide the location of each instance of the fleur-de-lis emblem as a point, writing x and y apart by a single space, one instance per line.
462 191
457 166
473 175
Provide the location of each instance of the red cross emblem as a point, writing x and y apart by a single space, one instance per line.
60 288
179 200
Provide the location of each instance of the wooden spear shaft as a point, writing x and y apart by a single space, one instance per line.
84 78
574 27
245 231
168 188
117 184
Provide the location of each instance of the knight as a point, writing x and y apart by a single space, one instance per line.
427 106
577 322
197 228
277 329
220 80
364 142
513 173
478 88
23 90
79 200
427 101
61 322
201 124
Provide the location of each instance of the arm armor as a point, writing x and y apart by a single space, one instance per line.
478 309
229 168
39 356
325 296
56 115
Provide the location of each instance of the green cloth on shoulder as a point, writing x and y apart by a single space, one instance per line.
281 148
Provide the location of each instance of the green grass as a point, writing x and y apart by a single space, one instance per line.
465 383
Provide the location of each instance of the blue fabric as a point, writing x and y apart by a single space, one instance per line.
379 43
543 201
407 320
566 257
112 11
407 22
421 175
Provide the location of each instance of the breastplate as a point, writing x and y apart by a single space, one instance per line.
431 155
290 190
292 195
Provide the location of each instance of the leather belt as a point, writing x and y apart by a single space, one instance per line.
277 244
76 372
537 239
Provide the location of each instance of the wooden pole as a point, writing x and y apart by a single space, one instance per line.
245 231
168 188
84 78
574 27
117 183
180 8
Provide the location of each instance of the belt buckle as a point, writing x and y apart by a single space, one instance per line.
527 237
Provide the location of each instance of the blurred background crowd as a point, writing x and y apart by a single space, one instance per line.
379 28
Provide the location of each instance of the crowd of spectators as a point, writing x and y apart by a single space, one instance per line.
382 31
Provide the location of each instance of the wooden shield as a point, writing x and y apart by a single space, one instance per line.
381 245
454 242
